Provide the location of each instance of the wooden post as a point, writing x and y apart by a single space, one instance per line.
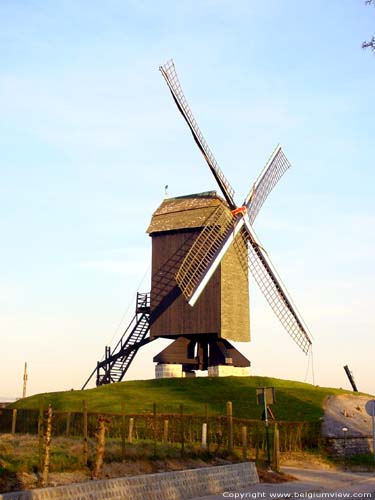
204 435
47 446
276 449
14 421
182 430
155 433
131 426
123 430
244 442
40 434
68 420
230 426
165 433
100 446
85 452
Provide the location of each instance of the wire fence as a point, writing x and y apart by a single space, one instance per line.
178 429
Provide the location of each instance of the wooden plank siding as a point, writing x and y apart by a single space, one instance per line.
175 317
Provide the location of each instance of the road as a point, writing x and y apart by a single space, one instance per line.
311 483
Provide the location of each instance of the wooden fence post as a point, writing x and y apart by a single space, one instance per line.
230 426
244 442
165 433
47 446
123 430
155 423
40 434
68 419
276 449
204 435
85 454
182 430
14 421
100 446
131 427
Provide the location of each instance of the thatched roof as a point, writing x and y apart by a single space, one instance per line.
184 212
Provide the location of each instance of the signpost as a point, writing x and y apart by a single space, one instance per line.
265 397
370 408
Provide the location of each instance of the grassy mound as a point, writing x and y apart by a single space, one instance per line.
295 401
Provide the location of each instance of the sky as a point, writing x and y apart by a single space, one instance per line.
89 137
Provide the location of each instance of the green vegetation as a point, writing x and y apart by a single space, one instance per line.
295 401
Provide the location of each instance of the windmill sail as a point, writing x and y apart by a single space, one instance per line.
268 178
274 290
169 73
206 253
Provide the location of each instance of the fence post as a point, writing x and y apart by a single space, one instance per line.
131 426
165 433
230 426
47 446
68 419
85 433
244 442
155 434
204 435
40 433
100 447
123 430
276 449
14 420
182 430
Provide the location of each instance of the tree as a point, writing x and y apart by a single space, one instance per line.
370 44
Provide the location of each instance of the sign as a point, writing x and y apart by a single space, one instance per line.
370 407
270 395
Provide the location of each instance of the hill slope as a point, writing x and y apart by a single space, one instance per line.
295 401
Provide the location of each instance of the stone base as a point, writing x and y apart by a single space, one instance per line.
228 371
168 370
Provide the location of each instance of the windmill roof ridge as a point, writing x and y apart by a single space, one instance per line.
182 212
203 194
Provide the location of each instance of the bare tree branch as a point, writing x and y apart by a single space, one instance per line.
371 43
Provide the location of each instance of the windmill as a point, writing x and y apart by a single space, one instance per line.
203 248
229 227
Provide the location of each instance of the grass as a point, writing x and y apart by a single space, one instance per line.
295 401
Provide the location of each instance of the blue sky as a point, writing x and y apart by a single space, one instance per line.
89 137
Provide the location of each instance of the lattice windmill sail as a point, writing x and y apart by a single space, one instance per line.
231 224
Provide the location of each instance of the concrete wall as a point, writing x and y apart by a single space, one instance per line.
227 371
163 486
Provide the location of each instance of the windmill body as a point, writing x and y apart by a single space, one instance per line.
202 332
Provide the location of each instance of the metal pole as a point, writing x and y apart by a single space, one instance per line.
373 429
266 424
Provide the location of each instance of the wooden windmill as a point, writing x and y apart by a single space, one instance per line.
203 247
